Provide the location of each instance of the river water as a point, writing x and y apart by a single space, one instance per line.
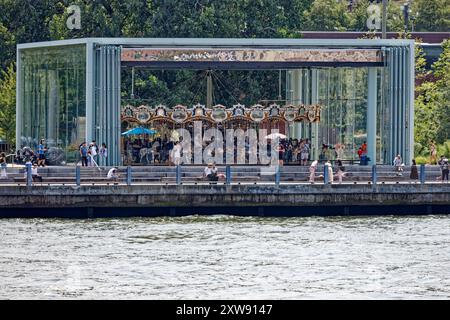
226 257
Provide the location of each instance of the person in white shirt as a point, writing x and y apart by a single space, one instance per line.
92 160
312 171
34 173
330 171
112 174
103 151
398 165
210 172
176 154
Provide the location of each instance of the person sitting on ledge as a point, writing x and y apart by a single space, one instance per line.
34 173
211 173
112 174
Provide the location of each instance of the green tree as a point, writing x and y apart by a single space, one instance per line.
441 72
8 104
426 123
431 15
7 42
328 15
24 21
432 109
420 61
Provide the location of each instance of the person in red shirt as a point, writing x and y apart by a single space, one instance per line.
364 148
360 152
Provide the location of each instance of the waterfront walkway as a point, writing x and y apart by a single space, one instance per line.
160 191
164 175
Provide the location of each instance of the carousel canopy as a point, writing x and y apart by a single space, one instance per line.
219 113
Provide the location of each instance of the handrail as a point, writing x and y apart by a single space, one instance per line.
375 175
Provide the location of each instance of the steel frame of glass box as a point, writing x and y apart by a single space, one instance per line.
69 91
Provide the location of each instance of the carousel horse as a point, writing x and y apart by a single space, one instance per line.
145 156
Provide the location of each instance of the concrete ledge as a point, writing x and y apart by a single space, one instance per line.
300 198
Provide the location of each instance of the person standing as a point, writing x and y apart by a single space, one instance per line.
329 168
304 154
339 148
414 175
340 170
3 166
84 154
41 153
360 152
433 153
93 151
281 151
364 148
103 153
176 152
445 169
312 171
398 165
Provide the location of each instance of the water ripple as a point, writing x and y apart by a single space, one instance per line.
226 257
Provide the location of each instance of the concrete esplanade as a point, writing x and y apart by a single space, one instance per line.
288 199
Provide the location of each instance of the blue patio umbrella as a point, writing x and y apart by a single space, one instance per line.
138 130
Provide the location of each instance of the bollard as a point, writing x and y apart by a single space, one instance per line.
325 174
78 175
277 175
228 174
422 174
178 174
29 177
374 174
129 177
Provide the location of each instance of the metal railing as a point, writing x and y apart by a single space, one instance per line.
227 175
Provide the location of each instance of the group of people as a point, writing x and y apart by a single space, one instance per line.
414 174
294 150
339 169
147 151
38 157
165 151
89 155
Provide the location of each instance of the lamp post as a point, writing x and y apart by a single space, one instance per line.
132 83
405 9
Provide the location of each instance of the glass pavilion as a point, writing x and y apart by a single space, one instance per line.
69 91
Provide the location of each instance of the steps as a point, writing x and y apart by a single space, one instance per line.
193 173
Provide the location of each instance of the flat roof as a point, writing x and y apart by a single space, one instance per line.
222 42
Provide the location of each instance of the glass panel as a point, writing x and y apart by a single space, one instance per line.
53 88
343 94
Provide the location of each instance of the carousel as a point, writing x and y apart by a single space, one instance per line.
163 121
